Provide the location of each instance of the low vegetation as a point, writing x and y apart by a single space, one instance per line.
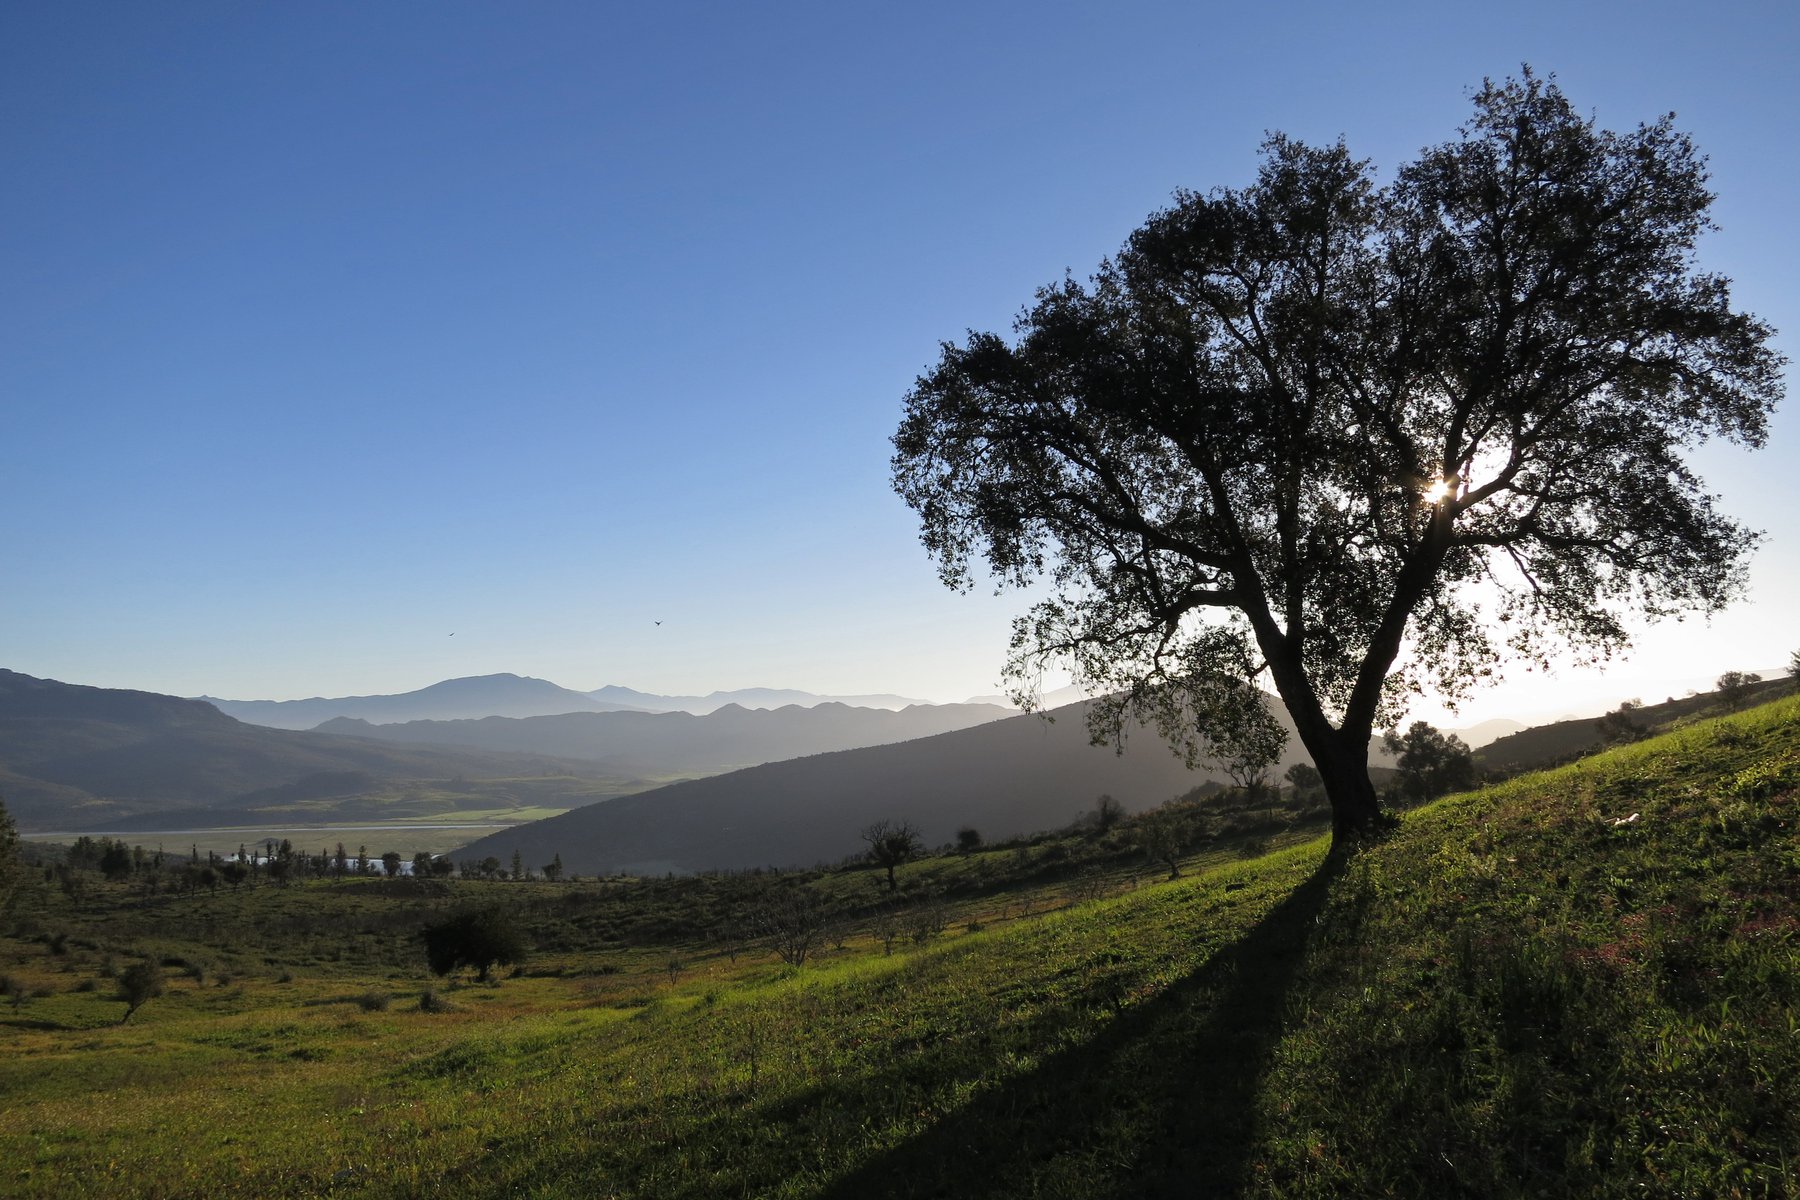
1578 982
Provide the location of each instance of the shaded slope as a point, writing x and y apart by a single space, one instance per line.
1011 776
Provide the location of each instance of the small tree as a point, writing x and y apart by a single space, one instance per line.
1304 778
140 983
1162 835
1107 812
1734 688
793 923
518 865
553 870
115 861
892 844
422 865
1431 764
1622 724
968 839
390 862
476 938
885 924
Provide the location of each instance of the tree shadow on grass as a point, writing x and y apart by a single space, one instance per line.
40 1024
1162 1103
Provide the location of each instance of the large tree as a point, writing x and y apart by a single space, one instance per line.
1356 439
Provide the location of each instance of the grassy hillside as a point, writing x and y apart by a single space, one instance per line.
1581 983
1562 741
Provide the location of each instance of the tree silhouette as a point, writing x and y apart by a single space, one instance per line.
1431 764
140 983
476 938
1734 688
1362 439
892 844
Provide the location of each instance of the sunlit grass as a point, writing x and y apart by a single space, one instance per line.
1581 982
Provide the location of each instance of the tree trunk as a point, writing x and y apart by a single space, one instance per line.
1344 770
1342 757
1355 809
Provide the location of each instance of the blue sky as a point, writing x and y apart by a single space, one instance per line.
330 331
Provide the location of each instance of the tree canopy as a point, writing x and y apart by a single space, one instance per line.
1358 439
1430 763
476 938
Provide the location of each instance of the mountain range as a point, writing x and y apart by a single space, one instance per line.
74 757
755 697
508 695
652 745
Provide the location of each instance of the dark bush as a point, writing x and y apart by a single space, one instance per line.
476 938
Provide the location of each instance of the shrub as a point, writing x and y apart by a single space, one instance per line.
373 1001
138 984
476 938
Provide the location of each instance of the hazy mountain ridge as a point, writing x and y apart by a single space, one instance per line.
662 744
472 696
753 697
73 756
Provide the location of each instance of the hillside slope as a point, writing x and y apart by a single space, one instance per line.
1003 778
1561 741
1584 983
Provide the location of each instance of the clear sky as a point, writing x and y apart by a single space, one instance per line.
347 347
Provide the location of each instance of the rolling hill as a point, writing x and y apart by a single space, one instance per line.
1005 777
1562 741
74 756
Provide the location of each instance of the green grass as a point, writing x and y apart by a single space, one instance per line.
1524 992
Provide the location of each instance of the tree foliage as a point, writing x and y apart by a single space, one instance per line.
139 984
1304 777
1622 723
479 938
1366 439
1734 687
1430 763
